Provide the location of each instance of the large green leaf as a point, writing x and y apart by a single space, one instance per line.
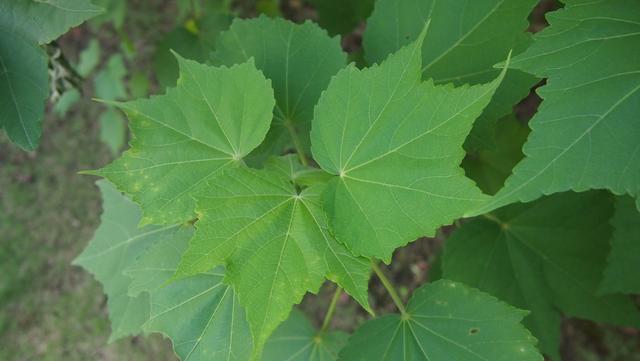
623 266
24 88
394 144
445 321
297 340
547 257
465 40
210 121
274 243
44 20
115 246
585 134
300 59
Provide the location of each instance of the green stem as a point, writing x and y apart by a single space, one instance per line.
331 310
296 143
387 284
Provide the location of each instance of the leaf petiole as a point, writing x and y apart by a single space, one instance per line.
387 284
331 310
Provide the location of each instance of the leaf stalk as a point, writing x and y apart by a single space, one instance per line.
387 284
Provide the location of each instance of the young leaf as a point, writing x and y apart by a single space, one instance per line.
585 134
394 144
445 321
623 264
297 340
482 30
300 59
24 88
274 243
210 121
116 245
544 256
44 21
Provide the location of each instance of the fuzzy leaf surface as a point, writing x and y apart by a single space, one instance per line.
548 257
300 59
482 30
394 145
274 243
445 321
209 122
623 264
115 246
585 134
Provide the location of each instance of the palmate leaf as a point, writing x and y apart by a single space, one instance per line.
585 134
445 321
300 59
297 340
274 243
210 121
547 257
200 314
623 264
465 40
116 245
393 144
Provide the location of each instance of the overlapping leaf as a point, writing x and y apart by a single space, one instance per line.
116 245
445 321
585 134
210 121
465 40
200 314
490 167
622 273
545 256
300 59
273 241
24 24
297 340
394 144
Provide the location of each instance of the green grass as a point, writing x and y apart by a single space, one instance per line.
49 309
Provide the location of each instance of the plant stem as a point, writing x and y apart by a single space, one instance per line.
296 143
331 310
387 284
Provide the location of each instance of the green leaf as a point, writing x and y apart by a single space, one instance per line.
300 59
66 101
89 58
490 167
195 42
547 257
109 82
115 246
445 321
482 30
24 88
113 130
274 243
342 16
44 20
623 265
297 340
585 134
210 121
394 144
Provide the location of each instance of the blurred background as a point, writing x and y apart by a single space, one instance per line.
50 310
